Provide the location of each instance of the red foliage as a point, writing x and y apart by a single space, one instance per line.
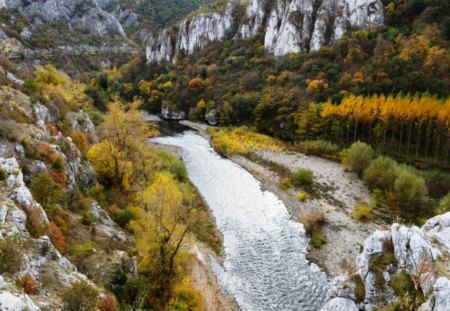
108 303
57 237
52 129
48 153
59 177
28 284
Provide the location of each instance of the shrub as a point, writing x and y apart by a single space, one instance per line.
444 204
30 152
45 190
318 147
86 218
358 157
3 174
80 140
185 298
53 130
312 219
363 213
410 190
285 183
381 173
178 169
82 251
57 237
47 153
58 164
302 196
11 259
360 289
108 303
303 177
80 296
28 283
317 237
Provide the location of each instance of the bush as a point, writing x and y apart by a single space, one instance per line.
363 213
80 140
302 196
318 147
57 237
178 169
30 152
82 251
185 298
360 289
444 204
3 174
108 303
11 259
86 218
28 283
358 157
303 177
410 190
312 219
58 164
317 237
285 183
46 191
80 296
381 173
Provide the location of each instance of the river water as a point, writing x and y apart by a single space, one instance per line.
265 268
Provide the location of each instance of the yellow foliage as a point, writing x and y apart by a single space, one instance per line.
58 85
110 163
161 228
316 85
242 140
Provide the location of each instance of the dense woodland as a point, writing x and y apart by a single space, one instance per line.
397 74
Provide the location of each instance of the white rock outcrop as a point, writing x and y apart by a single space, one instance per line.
286 25
417 252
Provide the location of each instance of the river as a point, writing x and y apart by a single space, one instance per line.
265 266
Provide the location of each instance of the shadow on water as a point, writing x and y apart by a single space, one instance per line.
168 127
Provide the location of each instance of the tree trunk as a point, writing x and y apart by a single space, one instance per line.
418 139
409 136
401 137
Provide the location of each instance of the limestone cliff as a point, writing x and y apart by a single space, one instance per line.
26 248
286 26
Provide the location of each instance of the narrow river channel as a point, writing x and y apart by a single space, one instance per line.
265 267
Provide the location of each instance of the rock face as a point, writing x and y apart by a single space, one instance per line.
193 34
287 26
85 15
170 114
420 253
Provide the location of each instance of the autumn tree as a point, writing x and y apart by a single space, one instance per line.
122 155
162 227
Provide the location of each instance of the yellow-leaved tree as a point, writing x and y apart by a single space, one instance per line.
122 157
162 227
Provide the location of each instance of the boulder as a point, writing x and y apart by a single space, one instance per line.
16 302
340 304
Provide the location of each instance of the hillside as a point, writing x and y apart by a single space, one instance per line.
315 173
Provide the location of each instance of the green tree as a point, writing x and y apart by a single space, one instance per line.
46 191
358 157
410 190
381 173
